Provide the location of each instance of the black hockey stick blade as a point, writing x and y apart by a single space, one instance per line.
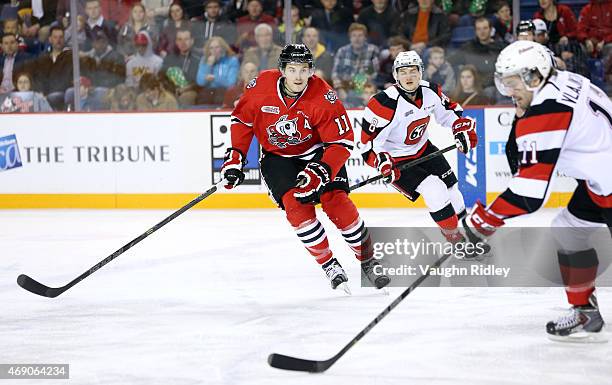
36 287
281 361
403 166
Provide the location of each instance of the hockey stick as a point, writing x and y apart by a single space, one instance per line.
403 166
36 287
281 361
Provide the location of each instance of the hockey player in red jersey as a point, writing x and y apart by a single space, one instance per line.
567 126
306 138
395 129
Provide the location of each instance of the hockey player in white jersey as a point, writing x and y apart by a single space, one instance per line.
395 129
567 126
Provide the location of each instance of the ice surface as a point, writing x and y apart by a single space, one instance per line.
209 296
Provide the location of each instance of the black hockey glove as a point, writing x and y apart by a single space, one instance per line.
232 168
311 181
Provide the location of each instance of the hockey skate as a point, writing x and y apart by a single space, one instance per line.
582 324
379 281
336 275
478 249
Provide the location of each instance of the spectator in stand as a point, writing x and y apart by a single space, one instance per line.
53 70
186 61
107 66
595 29
43 15
469 88
143 62
88 99
323 60
439 71
481 52
248 72
96 22
24 99
138 22
153 96
247 23
424 25
384 78
81 34
235 9
193 8
12 26
265 54
11 62
176 20
116 10
121 98
355 64
213 23
380 18
217 72
502 22
332 22
560 21
157 11
369 90
298 25
527 30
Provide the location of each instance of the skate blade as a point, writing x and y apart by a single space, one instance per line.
345 287
582 338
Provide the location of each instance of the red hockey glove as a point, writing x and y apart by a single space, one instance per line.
232 168
480 224
464 130
311 181
384 165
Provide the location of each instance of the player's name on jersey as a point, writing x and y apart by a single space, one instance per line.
447 272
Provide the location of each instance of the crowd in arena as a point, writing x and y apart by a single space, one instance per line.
195 54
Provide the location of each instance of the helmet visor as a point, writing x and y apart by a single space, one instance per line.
509 84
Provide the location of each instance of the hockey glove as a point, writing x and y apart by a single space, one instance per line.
384 165
464 130
232 168
311 181
480 224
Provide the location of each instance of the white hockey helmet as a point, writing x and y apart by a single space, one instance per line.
407 59
525 59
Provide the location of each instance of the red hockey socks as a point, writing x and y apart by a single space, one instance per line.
343 213
579 270
307 227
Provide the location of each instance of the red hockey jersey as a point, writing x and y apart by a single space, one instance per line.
315 119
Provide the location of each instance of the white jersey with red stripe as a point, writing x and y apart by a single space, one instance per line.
568 127
394 123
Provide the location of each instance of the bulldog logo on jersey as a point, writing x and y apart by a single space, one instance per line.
285 132
331 96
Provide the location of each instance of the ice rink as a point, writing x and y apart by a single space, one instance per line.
208 297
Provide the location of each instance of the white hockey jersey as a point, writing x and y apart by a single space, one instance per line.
568 127
395 124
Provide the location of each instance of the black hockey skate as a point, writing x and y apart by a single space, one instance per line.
379 281
582 324
336 275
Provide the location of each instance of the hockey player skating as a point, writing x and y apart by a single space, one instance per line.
306 138
395 129
567 126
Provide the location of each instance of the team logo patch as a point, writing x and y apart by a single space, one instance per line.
9 153
285 132
270 109
331 96
252 83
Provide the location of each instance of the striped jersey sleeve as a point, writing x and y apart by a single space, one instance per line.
377 115
447 111
539 137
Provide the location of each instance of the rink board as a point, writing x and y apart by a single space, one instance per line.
162 160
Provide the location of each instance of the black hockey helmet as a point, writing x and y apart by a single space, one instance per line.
525 26
295 53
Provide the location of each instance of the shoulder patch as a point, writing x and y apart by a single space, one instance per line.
252 83
331 96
